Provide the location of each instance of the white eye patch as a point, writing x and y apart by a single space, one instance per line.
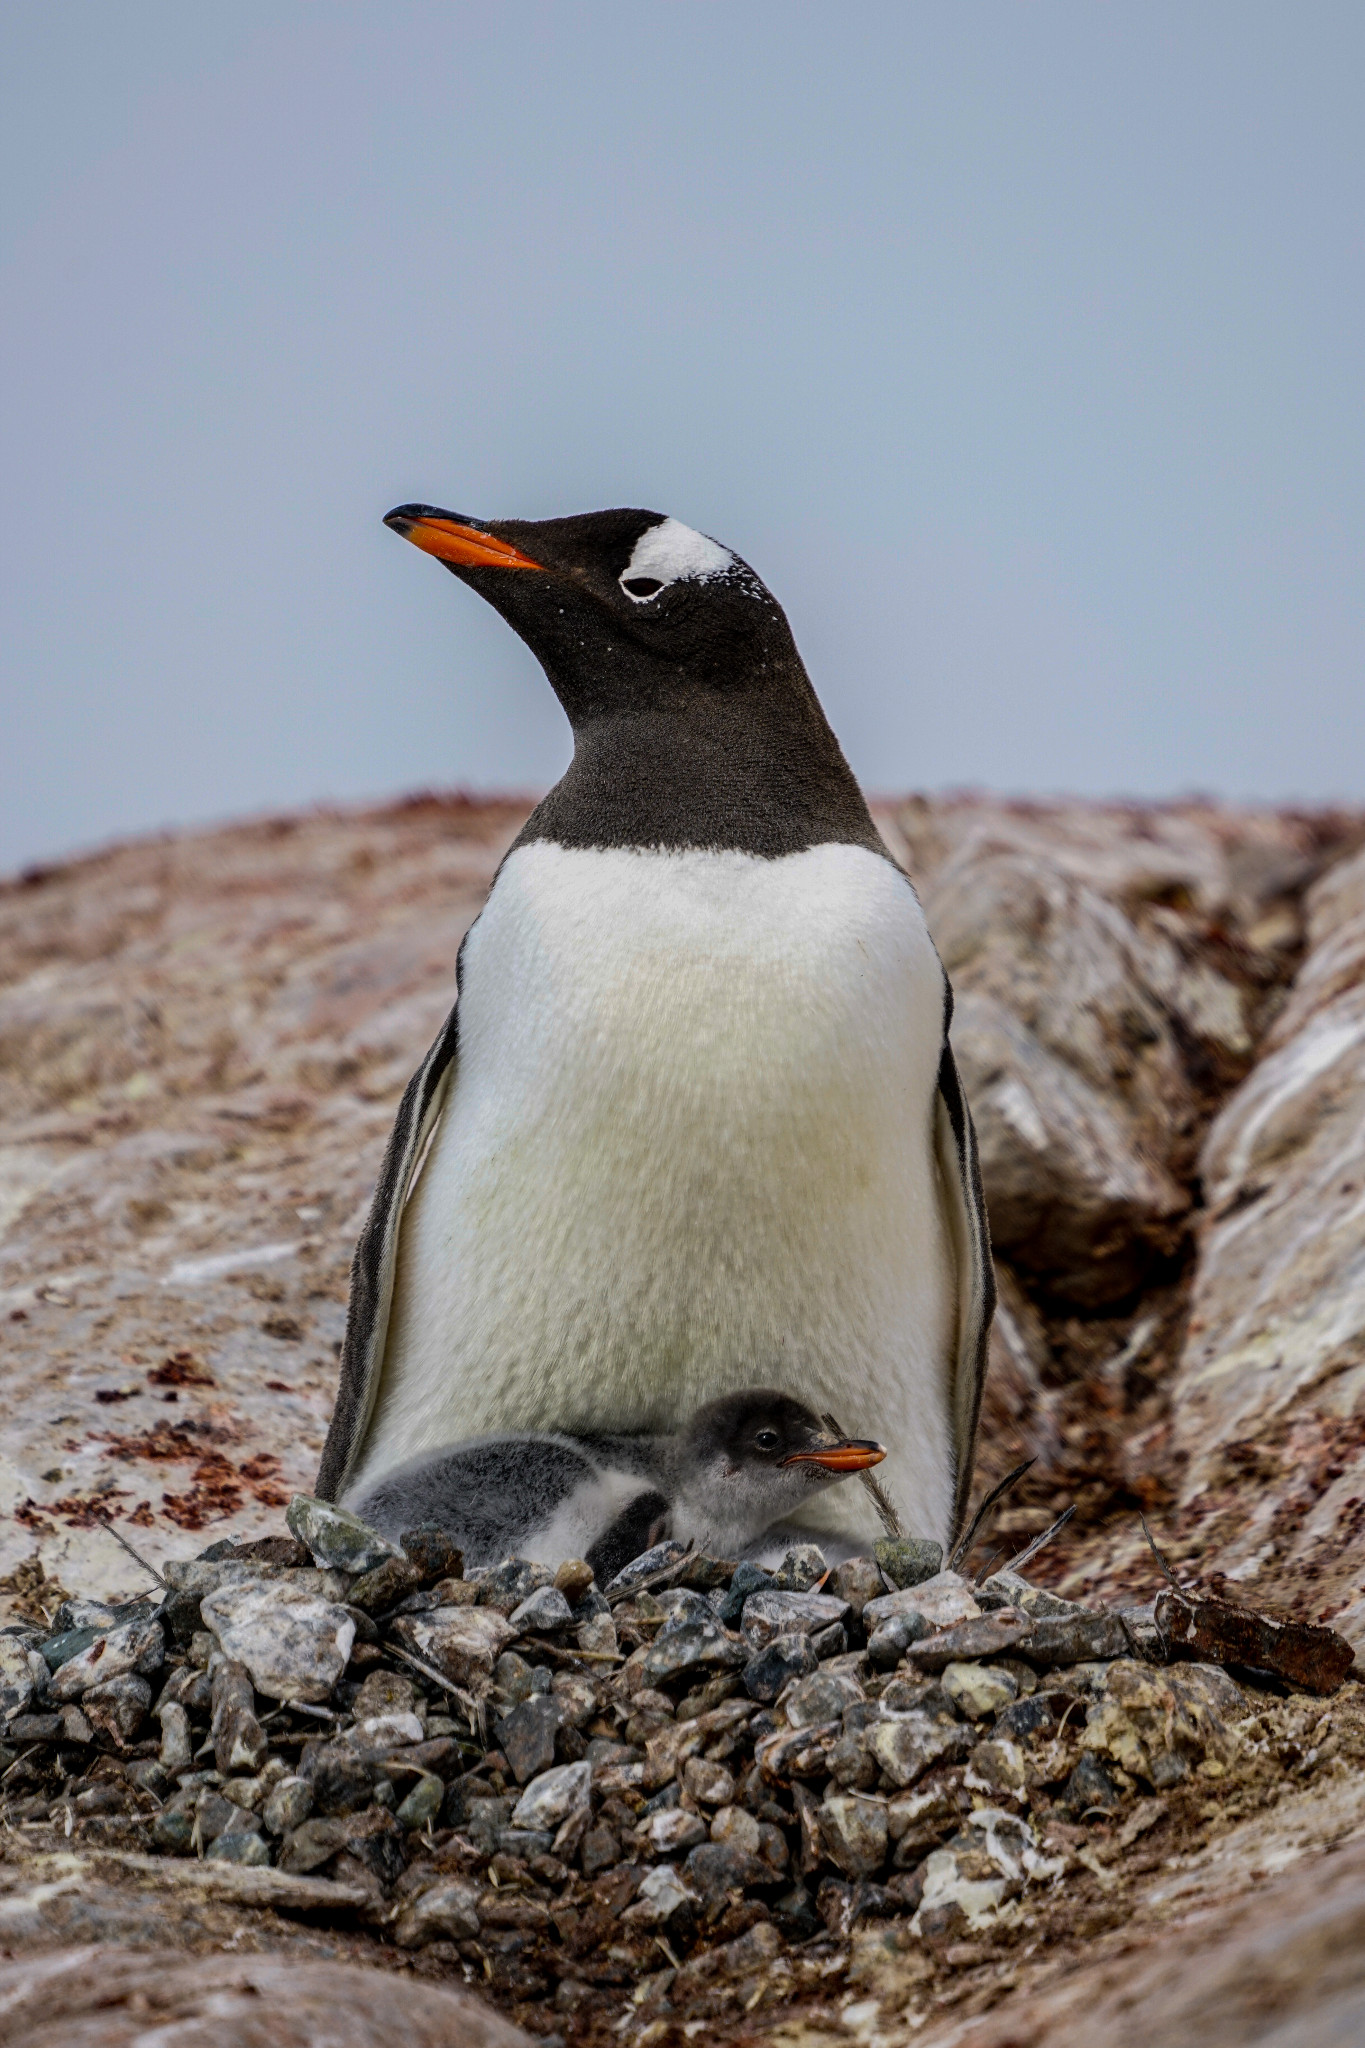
672 553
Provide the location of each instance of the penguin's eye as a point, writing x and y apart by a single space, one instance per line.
641 587
766 1440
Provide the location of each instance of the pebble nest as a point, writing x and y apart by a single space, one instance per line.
686 1788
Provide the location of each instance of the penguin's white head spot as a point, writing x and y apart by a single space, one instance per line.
672 553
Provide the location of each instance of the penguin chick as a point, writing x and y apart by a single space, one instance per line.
738 1469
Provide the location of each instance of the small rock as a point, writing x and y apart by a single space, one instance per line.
294 1645
173 1827
908 1560
16 1677
509 1583
911 1744
719 1867
794 1914
888 1642
857 1580
1091 1786
597 1636
340 1782
692 1644
769 1614
978 1691
447 1912
384 1692
942 1600
785 1658
287 1806
138 1646
646 1564
338 1541
673 1830
432 1553
119 1706
250 1850
710 1784
854 1831
541 1612
1074 1639
738 1829
239 1741
600 1850
380 1590
663 1892
422 1806
526 1736
748 1578
180 1617
75 1727
574 1578
822 1697
462 1642
996 1768
802 1567
681 1605
311 1844
986 1636
1007 1589
558 1799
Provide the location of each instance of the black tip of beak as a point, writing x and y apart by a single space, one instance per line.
403 518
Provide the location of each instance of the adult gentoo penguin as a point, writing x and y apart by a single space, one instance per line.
695 1118
738 1471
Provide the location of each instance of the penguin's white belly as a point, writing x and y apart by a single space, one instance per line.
688 1148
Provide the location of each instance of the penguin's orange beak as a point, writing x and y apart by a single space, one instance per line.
852 1455
449 541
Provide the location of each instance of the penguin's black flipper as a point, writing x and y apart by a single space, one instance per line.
965 1208
489 1496
376 1260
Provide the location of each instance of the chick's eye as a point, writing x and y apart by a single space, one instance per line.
641 586
766 1440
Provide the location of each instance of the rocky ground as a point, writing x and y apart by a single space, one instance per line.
1161 1019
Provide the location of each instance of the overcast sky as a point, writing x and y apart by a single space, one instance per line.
1018 346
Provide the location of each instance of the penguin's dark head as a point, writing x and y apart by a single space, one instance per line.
623 609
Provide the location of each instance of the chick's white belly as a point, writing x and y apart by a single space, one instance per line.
687 1148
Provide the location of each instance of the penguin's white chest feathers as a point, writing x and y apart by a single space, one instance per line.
688 1148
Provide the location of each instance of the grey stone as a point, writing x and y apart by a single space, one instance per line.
854 1831
908 1560
311 1844
785 1658
294 1645
287 1806
664 1894
504 1586
239 1741
681 1605
857 1580
556 1799
339 1781
672 1831
738 1829
648 1562
908 1745
250 1850
802 1567
541 1612
173 1827
987 1636
707 1781
825 1696
990 1861
997 1768
75 1726
526 1736
1075 1639
118 1706
422 1807
16 1677
1007 1589
512 1677
769 1614
719 1867
337 1540
446 1912
1091 1785
943 1600
136 1646
889 1641
462 1642
694 1644
748 1578
60 1648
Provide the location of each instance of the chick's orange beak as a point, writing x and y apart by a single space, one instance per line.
853 1455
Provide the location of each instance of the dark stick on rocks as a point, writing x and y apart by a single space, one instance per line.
136 1557
881 1499
650 1579
996 1493
1016 1564
1151 1545
472 1709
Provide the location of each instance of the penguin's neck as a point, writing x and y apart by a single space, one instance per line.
726 773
